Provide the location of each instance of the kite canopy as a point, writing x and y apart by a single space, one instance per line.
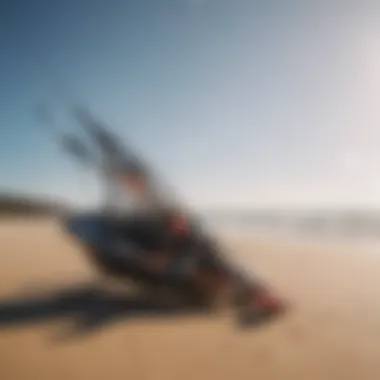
129 184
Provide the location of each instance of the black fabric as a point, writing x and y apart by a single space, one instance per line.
153 235
149 233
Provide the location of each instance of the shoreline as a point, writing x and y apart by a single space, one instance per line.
298 240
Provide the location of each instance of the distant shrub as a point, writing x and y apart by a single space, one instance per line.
11 205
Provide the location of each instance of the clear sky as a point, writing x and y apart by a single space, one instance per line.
240 103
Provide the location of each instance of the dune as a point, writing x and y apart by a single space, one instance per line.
54 325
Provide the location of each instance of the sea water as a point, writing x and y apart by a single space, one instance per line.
344 228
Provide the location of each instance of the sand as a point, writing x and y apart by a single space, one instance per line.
50 332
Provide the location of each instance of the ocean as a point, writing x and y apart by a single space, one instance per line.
359 228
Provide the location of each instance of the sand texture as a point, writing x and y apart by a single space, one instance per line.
53 327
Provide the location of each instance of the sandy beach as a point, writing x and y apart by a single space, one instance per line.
53 327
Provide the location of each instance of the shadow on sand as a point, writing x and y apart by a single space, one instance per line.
89 309
87 306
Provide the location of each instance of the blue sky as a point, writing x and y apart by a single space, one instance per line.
240 103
